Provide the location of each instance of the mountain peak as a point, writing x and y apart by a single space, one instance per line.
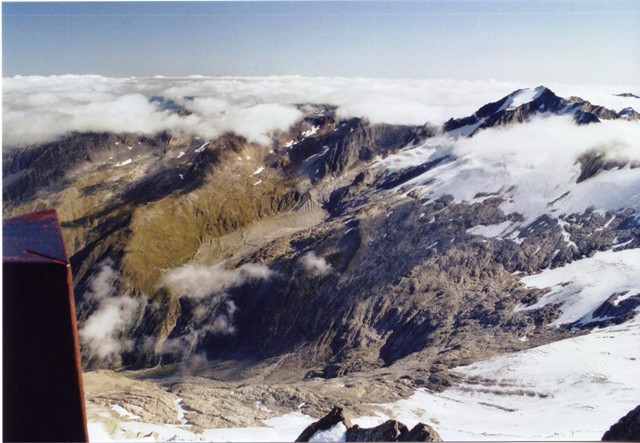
627 95
527 95
519 106
522 104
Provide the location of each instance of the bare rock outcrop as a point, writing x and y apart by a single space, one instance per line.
334 417
627 428
390 430
422 432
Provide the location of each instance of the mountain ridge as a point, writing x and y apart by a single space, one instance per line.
378 265
528 103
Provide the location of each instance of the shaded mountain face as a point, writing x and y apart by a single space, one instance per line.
343 245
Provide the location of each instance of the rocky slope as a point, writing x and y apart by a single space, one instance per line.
340 248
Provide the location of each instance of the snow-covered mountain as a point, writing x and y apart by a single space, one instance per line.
523 104
344 261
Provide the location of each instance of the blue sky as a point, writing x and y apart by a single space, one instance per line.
535 41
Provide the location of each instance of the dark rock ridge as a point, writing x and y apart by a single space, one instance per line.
428 285
543 102
350 143
627 94
593 163
51 165
391 430
335 416
618 308
626 429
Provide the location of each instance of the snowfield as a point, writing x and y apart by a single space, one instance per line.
573 389
533 166
491 230
283 428
582 286
523 96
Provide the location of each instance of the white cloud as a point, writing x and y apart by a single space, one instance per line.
216 316
40 109
218 320
197 281
316 266
38 114
103 334
255 122
554 137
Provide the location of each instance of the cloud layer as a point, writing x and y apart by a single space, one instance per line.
39 109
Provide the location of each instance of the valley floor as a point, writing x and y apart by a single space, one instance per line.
573 389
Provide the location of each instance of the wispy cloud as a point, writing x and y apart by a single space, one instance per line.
215 316
103 333
197 282
316 266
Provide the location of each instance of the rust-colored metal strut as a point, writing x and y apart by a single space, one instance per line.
43 398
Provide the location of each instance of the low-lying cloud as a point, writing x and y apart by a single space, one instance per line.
217 319
541 158
39 109
213 313
103 334
197 281
316 266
